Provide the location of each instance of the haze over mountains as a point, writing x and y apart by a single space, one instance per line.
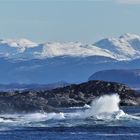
23 61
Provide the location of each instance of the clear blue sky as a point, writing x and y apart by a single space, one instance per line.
68 20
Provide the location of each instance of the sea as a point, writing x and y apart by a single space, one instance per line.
102 120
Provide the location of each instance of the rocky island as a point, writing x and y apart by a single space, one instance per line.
69 96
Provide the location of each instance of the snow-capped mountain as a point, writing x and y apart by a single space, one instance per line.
123 48
72 49
27 49
23 61
21 43
15 48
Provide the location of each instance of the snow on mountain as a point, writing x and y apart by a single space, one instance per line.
126 47
72 62
72 49
133 40
15 48
21 43
28 49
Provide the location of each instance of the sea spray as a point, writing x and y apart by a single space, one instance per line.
105 106
103 110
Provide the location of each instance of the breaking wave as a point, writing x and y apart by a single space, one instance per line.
104 108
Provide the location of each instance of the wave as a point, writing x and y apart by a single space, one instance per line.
104 108
81 107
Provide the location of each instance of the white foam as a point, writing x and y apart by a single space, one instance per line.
127 134
56 116
102 108
87 106
81 107
105 104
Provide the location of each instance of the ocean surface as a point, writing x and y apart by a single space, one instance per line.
103 120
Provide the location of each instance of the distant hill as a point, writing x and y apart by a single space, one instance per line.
125 76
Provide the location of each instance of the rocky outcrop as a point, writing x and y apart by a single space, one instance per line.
72 95
81 94
24 103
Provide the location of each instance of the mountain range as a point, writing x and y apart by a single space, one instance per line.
122 48
23 61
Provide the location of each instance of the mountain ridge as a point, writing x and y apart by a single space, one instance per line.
125 47
69 62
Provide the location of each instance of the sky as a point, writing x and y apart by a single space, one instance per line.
68 20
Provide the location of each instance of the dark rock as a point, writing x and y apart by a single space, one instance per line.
73 95
78 95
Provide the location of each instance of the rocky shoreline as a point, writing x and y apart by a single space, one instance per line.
69 96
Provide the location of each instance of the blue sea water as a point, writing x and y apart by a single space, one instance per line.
98 122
